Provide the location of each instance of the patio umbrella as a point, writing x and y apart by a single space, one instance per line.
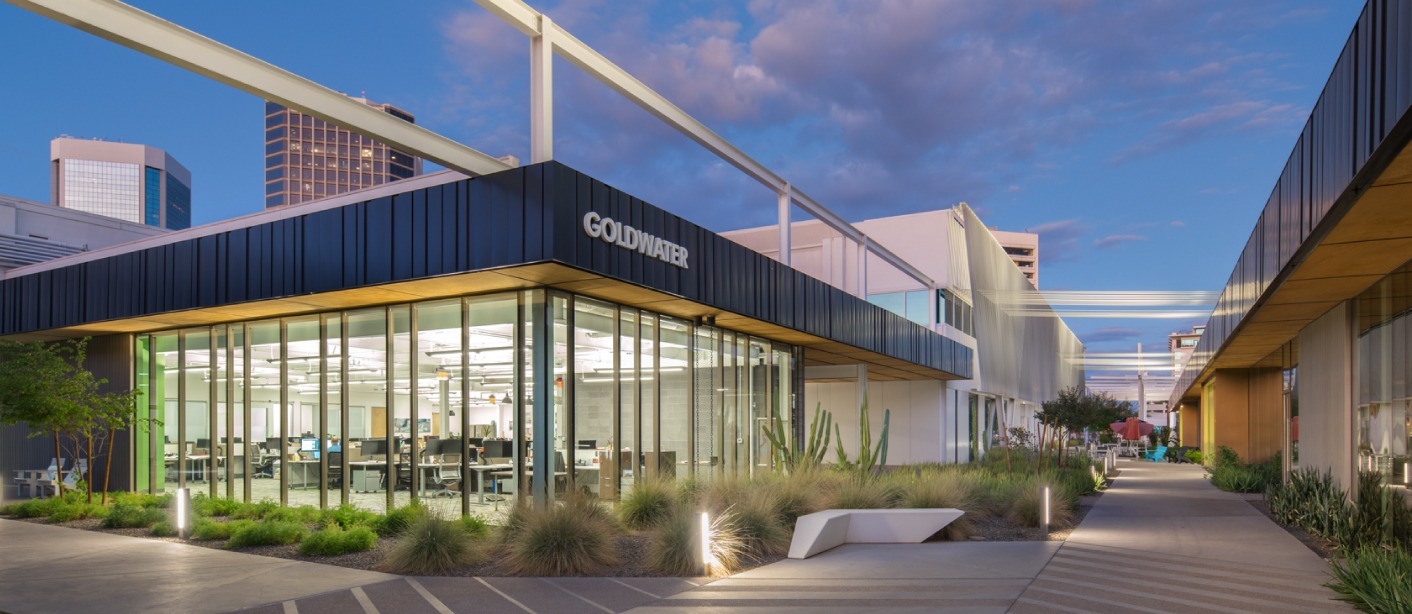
1132 428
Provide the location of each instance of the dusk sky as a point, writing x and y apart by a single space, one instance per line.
1140 139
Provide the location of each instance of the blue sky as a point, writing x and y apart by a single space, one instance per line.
1140 139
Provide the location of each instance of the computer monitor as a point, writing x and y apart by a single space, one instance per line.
375 447
308 444
204 444
476 442
588 444
498 448
274 444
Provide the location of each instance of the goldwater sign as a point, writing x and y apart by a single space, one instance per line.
617 233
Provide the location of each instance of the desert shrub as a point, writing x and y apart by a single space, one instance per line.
1225 457
267 533
202 505
946 490
647 504
131 516
1194 456
512 526
796 494
66 512
757 523
144 500
1027 505
675 546
165 528
575 537
862 492
718 494
1375 580
256 511
431 545
333 540
347 516
399 519
300 514
476 526
1237 478
207 529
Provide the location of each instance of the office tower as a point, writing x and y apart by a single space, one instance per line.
1023 248
308 159
126 181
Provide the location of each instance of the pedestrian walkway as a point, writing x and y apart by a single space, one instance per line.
1162 539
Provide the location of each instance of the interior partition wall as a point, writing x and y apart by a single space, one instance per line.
460 403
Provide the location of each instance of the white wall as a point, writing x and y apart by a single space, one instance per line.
917 431
1325 401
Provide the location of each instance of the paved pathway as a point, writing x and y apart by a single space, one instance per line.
1161 540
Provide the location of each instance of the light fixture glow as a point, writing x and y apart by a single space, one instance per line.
705 543
183 495
442 375
1046 509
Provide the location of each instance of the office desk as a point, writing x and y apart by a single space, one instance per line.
481 474
302 473
193 461
366 475
589 475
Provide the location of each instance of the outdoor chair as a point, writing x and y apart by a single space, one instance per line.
1158 455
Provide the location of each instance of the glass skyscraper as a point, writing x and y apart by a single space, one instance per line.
307 158
126 181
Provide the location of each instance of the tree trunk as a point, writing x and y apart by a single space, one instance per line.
90 465
108 464
59 465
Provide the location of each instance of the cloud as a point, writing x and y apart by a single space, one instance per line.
1178 224
1059 240
1110 333
1111 241
872 108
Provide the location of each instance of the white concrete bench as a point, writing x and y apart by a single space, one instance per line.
820 531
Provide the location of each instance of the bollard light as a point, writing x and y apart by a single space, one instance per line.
1407 473
1046 510
705 544
183 503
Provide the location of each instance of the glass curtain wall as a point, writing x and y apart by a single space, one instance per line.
1383 433
436 401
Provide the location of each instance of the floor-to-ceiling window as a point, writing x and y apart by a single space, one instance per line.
1383 433
449 400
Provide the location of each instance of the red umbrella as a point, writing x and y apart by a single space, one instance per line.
1132 428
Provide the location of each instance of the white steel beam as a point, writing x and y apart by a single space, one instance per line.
526 19
786 244
161 39
542 93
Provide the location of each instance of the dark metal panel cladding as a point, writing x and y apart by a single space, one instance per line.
520 216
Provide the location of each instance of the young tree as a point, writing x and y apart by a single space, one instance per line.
1076 410
46 387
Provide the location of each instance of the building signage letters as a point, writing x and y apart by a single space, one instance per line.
627 237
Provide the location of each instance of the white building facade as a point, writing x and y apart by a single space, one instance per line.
1023 352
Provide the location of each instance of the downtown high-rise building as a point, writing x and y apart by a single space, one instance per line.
307 158
125 181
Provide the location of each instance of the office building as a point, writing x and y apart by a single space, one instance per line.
1312 328
125 181
32 232
1022 353
580 338
1182 345
1023 249
308 159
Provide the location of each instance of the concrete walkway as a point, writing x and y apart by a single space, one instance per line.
1162 539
